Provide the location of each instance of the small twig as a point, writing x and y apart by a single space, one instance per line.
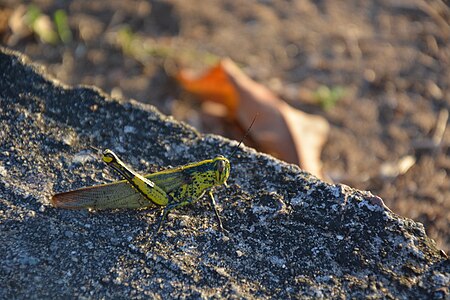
436 140
441 125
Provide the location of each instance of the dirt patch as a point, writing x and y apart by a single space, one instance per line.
392 59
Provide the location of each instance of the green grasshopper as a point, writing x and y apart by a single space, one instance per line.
171 189
168 189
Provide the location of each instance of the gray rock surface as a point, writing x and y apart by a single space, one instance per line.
290 235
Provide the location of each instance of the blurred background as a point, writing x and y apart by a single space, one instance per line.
376 72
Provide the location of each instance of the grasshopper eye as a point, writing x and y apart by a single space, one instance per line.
222 169
221 166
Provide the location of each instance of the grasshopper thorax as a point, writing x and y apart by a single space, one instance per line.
222 168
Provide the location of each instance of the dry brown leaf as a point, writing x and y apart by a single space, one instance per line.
280 129
211 86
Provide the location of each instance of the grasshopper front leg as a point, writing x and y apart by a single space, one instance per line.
213 204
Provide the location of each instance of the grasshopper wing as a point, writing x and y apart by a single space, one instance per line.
121 194
118 194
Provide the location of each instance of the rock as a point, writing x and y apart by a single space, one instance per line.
290 235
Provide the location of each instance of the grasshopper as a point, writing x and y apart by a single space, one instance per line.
167 190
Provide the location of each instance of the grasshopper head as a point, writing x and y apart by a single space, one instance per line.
109 156
222 166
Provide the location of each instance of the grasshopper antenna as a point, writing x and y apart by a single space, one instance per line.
245 135
96 151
